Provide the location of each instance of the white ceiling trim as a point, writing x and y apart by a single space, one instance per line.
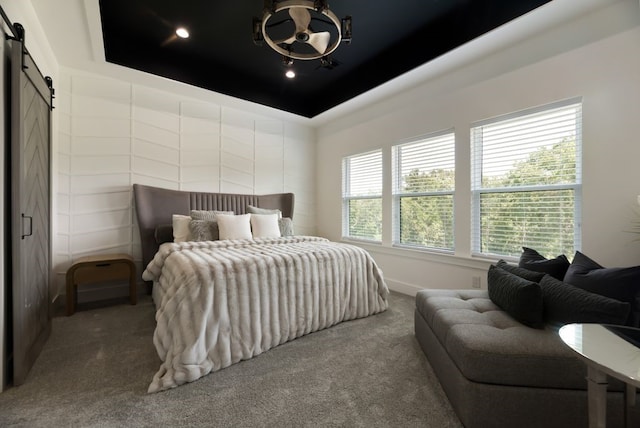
94 23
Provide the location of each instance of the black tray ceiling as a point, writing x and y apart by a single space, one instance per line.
389 39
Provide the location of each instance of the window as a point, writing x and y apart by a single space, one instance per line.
362 196
526 182
424 183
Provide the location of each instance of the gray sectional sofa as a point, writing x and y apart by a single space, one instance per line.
497 372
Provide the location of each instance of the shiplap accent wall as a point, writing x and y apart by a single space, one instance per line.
113 134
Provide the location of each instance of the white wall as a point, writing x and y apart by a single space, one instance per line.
114 133
605 73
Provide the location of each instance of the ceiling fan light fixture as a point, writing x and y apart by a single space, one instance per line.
346 29
300 11
287 61
290 74
182 32
257 31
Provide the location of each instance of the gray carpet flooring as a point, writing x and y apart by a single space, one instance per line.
95 369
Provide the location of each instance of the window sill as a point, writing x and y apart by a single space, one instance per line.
442 256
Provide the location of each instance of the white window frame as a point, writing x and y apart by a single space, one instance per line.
347 197
476 175
398 193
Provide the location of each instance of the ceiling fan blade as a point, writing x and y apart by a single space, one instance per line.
287 41
320 41
301 17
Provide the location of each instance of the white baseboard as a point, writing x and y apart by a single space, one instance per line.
402 287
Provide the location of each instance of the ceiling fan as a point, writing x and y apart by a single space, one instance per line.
303 43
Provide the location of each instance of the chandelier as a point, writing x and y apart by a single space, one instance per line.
301 29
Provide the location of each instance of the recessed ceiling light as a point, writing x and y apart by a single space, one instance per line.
290 74
182 33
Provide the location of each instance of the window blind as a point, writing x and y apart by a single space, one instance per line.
362 196
526 181
423 188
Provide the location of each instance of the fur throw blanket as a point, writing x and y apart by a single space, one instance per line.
219 302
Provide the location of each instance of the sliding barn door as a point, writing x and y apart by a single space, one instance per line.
31 209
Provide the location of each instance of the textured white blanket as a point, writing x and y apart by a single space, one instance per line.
219 302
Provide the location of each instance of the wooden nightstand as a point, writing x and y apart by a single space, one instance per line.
93 269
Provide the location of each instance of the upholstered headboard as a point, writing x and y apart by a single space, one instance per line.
155 206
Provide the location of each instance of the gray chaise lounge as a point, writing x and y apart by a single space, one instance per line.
497 372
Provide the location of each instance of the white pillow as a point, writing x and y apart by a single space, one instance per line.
181 228
255 210
234 226
265 225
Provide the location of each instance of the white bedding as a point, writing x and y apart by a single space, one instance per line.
219 302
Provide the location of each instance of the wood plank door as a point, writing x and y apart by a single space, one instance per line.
31 209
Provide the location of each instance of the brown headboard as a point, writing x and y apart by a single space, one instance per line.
155 206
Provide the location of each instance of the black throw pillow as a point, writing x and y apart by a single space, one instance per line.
163 233
565 304
620 283
533 260
516 296
527 274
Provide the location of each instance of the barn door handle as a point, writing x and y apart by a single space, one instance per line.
30 225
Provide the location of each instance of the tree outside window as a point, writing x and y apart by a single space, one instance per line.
527 183
362 196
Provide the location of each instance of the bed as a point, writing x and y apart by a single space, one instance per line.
222 301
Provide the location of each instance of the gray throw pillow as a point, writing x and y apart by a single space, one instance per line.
532 260
520 298
521 272
619 283
208 215
565 304
204 230
286 226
